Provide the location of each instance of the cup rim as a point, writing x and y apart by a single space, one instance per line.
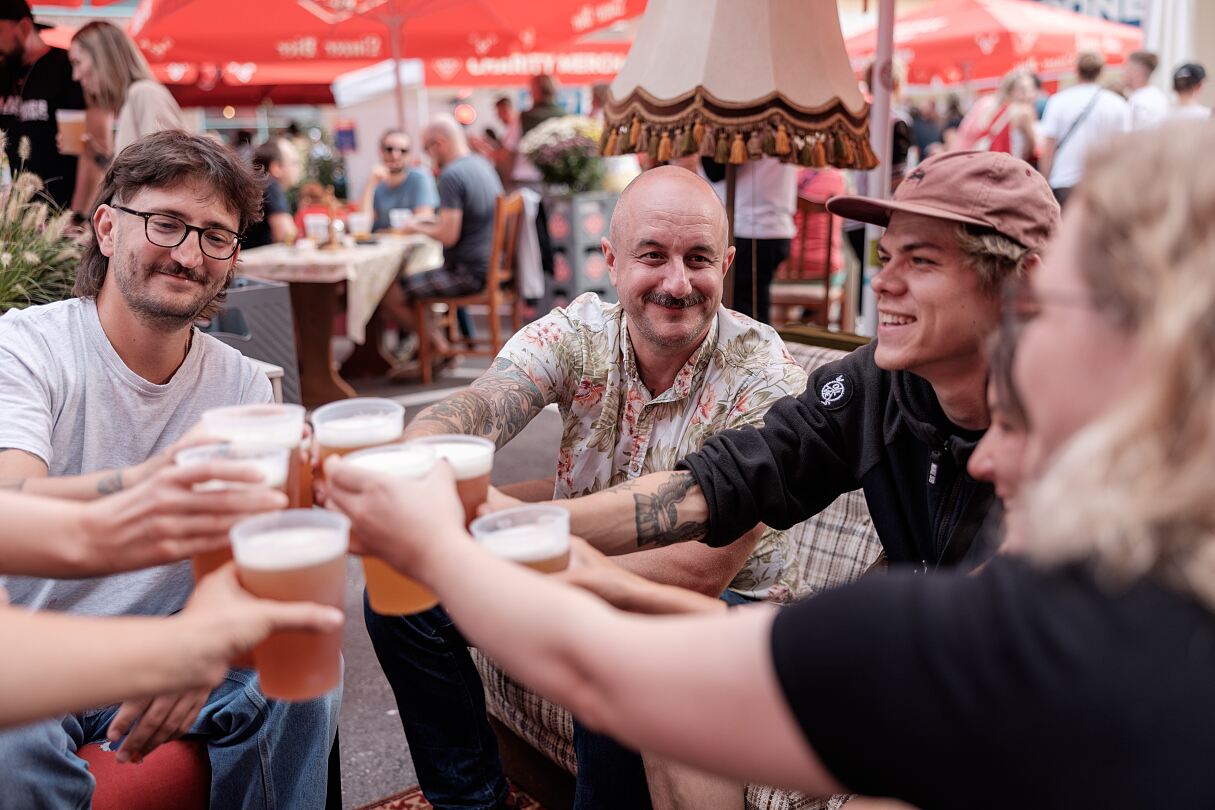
325 412
549 510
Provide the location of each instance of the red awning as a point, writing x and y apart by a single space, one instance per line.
960 41
213 31
587 63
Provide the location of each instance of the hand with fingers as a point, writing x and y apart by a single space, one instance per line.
221 622
395 518
164 520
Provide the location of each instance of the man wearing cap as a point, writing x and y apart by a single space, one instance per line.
897 418
35 81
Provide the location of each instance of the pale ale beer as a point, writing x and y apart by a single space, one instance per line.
281 425
298 555
271 461
340 428
537 536
392 593
471 459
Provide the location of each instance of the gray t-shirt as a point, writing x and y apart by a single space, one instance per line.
417 189
68 398
470 185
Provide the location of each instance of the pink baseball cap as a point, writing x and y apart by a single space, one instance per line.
988 189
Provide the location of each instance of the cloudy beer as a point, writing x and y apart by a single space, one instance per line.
295 556
280 425
271 461
471 459
390 592
537 536
345 427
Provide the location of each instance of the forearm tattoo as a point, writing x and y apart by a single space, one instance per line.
110 484
657 514
499 405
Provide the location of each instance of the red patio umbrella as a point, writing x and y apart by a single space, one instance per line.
299 31
978 41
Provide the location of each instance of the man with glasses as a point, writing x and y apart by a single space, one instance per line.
394 185
106 381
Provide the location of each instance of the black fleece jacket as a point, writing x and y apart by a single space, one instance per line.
855 426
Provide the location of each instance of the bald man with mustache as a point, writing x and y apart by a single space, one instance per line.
639 384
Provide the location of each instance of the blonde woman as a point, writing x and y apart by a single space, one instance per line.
117 79
1083 676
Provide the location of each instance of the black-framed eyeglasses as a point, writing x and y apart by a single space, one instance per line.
395 150
166 231
1022 303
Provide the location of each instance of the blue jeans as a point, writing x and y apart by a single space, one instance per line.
264 754
442 706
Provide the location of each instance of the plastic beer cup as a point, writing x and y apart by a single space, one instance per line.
390 592
344 427
281 425
537 536
471 459
71 131
270 460
298 555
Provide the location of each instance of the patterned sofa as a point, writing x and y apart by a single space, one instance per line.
833 547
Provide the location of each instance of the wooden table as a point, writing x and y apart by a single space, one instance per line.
314 277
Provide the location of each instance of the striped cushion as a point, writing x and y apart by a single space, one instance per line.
833 547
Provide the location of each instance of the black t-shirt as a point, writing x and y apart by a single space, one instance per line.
28 100
1010 689
274 201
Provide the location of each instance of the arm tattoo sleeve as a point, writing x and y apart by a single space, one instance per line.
498 405
110 484
658 514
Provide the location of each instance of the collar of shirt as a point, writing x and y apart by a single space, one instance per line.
685 380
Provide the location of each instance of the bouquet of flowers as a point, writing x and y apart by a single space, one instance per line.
566 151
38 257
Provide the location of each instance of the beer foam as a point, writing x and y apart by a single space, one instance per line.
281 549
273 472
467 460
361 430
529 543
254 424
403 462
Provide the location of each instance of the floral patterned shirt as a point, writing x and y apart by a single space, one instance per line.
580 358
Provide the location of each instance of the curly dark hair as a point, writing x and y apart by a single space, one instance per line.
163 160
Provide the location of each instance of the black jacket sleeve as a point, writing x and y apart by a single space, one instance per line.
806 454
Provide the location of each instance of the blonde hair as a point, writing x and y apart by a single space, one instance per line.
993 255
1133 493
117 62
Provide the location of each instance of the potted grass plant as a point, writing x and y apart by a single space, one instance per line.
38 254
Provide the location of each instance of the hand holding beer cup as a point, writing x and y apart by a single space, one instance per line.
164 519
398 518
227 622
219 624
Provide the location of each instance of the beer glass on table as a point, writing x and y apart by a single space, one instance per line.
390 592
272 461
536 535
350 425
281 425
471 459
298 555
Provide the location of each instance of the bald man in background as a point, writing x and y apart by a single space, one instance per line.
468 189
639 384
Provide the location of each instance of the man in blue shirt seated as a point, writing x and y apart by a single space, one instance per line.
394 184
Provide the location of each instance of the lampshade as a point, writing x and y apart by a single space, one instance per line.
735 81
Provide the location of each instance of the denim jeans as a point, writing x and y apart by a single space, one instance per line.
264 754
442 706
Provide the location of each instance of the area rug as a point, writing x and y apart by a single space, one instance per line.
413 799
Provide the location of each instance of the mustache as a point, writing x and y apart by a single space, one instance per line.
172 268
665 300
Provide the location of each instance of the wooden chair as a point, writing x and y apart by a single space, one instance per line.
802 281
501 288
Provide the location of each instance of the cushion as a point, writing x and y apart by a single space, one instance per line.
176 774
832 548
